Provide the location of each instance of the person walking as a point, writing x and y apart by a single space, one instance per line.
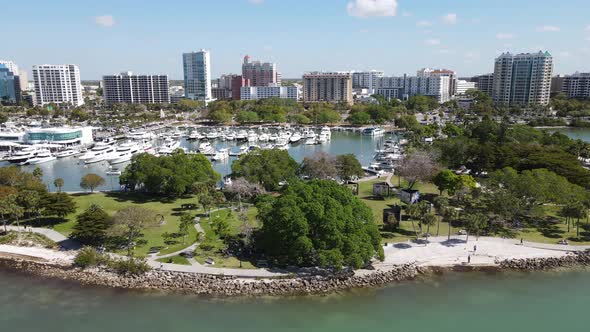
474 248
468 259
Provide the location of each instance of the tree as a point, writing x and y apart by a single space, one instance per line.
9 209
206 201
450 214
428 220
58 183
92 226
38 173
59 204
30 201
319 166
243 189
130 222
91 181
418 166
475 223
359 118
317 223
440 204
267 167
348 167
445 180
186 220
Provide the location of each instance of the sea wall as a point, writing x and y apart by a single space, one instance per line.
191 283
533 264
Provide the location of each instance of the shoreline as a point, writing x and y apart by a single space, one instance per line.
230 286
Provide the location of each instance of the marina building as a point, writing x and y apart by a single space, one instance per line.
259 73
404 87
57 84
576 85
135 89
264 92
197 75
61 135
522 79
328 87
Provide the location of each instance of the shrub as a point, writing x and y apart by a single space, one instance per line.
129 266
88 257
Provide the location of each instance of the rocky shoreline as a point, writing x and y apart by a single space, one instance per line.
190 283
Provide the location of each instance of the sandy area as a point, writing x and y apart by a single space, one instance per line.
61 257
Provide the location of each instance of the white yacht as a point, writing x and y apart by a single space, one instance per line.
282 145
296 137
213 134
242 136
206 148
222 154
373 131
264 137
323 138
140 135
311 134
311 141
252 136
99 149
169 146
230 136
326 132
123 153
195 135
273 137
42 156
67 153
22 155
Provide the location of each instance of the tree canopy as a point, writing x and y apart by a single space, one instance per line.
266 167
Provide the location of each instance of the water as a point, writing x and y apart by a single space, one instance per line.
576 133
71 169
455 302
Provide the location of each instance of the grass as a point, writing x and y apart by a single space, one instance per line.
174 260
553 228
213 247
112 202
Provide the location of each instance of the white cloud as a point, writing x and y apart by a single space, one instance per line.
423 24
105 20
450 18
256 2
548 28
503 36
432 41
368 8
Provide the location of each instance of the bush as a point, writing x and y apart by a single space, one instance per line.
88 257
129 266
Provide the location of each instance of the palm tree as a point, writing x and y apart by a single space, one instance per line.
450 214
440 203
428 220
413 211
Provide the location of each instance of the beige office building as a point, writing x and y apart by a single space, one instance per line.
327 86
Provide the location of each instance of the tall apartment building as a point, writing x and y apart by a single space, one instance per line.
403 87
522 79
576 85
327 86
197 75
452 75
57 84
260 74
135 89
8 85
366 79
264 92
464 85
237 82
484 83
557 83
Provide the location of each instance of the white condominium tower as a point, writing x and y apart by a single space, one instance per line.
522 79
366 79
135 89
57 84
197 75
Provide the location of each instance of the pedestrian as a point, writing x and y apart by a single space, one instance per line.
161 266
474 248
468 259
521 241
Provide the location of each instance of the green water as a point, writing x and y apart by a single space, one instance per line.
455 302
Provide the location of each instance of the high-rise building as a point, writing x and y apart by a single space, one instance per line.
135 89
366 79
57 84
13 67
576 85
452 75
484 83
522 79
260 74
264 92
557 83
197 75
463 85
8 85
237 82
327 86
403 87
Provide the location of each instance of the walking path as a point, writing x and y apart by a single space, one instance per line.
485 251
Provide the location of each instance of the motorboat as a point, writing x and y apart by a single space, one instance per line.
222 154
206 148
273 137
373 131
213 134
194 136
282 145
123 153
42 156
296 137
169 146
310 134
67 153
323 138
140 135
311 141
264 137
242 136
22 155
99 149
252 137
230 136
326 131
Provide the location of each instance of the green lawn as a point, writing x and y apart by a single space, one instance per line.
174 260
213 245
111 203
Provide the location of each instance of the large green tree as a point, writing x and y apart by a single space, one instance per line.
318 223
349 167
91 226
267 167
59 204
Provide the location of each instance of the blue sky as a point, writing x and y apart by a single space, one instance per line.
396 36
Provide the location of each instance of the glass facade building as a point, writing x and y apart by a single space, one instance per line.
197 75
8 85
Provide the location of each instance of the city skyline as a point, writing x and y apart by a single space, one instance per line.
395 36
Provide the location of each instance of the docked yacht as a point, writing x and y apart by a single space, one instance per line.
42 156
296 137
374 131
242 136
98 153
195 136
273 137
326 132
206 148
67 153
230 136
282 145
140 135
169 146
264 137
213 134
252 136
222 154
311 141
22 155
123 153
